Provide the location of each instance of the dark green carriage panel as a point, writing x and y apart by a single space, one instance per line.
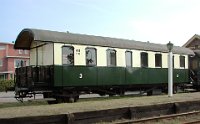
157 75
133 75
146 75
58 75
75 76
154 75
101 76
79 76
187 77
180 75
111 76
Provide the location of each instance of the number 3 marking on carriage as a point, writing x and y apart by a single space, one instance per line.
80 76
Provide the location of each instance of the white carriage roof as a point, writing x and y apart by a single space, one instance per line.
26 37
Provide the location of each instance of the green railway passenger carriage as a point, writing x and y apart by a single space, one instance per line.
64 65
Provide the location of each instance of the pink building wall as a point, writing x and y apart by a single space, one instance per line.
9 57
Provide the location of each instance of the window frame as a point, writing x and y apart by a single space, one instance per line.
95 56
15 64
131 59
158 64
72 64
110 60
20 51
173 58
21 63
11 75
146 64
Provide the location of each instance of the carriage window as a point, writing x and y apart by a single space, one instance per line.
91 56
158 60
182 61
128 59
144 59
111 57
68 55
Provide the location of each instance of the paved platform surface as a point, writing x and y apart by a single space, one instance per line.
94 105
6 97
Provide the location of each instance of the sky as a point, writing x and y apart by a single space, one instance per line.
156 21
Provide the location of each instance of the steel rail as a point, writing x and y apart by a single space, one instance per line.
193 122
163 117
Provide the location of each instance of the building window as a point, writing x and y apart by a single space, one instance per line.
182 61
25 51
11 76
144 59
1 62
2 76
128 59
111 57
68 55
158 60
19 63
2 47
91 56
20 51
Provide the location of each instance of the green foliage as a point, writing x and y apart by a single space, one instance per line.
6 85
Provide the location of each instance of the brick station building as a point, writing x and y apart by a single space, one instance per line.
11 59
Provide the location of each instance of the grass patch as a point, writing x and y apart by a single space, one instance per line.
25 103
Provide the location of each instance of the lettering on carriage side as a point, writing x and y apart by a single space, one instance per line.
80 76
78 51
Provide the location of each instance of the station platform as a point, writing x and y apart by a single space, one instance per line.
66 108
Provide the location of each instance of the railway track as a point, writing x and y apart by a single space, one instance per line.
193 122
156 119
